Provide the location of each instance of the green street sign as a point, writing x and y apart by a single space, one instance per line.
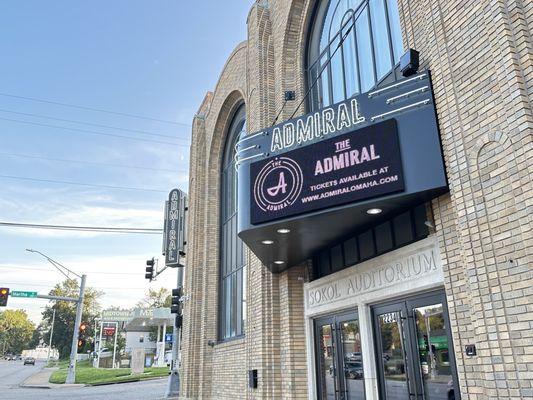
15 293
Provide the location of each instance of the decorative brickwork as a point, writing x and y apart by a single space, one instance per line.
481 57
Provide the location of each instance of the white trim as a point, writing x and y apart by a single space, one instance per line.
379 91
338 290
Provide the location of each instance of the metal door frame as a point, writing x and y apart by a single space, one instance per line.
413 368
334 320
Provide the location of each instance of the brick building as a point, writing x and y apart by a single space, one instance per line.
409 293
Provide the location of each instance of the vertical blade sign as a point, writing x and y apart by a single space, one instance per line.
175 228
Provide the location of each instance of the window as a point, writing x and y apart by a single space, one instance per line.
400 230
354 45
232 290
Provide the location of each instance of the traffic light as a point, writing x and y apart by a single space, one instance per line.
81 344
4 294
175 307
150 269
83 327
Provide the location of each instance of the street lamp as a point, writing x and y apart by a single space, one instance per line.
71 373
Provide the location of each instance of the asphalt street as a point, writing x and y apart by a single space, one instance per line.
13 373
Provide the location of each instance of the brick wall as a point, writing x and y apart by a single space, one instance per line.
480 54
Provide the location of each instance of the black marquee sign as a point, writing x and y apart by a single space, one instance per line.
355 166
317 177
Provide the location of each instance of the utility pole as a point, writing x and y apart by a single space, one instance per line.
100 343
71 373
51 334
115 345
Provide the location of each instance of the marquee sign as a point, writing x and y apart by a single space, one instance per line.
358 165
308 182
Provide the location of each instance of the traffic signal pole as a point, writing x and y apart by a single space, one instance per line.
173 387
71 373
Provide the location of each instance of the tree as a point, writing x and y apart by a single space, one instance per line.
36 337
16 331
66 315
156 298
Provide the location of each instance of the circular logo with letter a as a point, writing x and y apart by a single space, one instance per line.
278 184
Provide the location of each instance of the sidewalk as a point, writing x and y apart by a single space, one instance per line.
40 380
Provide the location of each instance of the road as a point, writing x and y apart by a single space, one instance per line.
13 373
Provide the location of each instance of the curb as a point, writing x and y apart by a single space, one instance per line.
53 386
34 386
126 381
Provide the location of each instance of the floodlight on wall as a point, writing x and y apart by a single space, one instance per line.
409 62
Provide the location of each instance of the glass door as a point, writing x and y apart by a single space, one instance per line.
393 352
326 350
435 364
339 358
414 349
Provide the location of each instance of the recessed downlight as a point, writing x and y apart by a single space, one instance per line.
374 211
267 242
283 230
279 262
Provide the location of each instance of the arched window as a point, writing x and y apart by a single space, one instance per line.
232 291
370 39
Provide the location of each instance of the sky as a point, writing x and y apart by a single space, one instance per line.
70 72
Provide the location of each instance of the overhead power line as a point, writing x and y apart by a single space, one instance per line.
143 231
24 268
18 121
24 178
52 285
89 162
91 124
57 103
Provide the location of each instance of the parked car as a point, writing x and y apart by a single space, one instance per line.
353 370
29 361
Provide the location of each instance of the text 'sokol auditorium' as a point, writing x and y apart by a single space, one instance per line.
360 206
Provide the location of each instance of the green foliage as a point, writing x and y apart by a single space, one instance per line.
66 315
156 298
16 331
36 337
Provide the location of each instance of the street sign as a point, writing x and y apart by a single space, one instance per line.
16 293
117 315
168 337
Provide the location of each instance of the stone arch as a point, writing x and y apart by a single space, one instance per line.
215 117
220 122
498 137
496 189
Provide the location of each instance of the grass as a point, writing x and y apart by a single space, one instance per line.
88 375
60 364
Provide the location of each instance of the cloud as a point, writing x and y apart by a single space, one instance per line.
87 215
